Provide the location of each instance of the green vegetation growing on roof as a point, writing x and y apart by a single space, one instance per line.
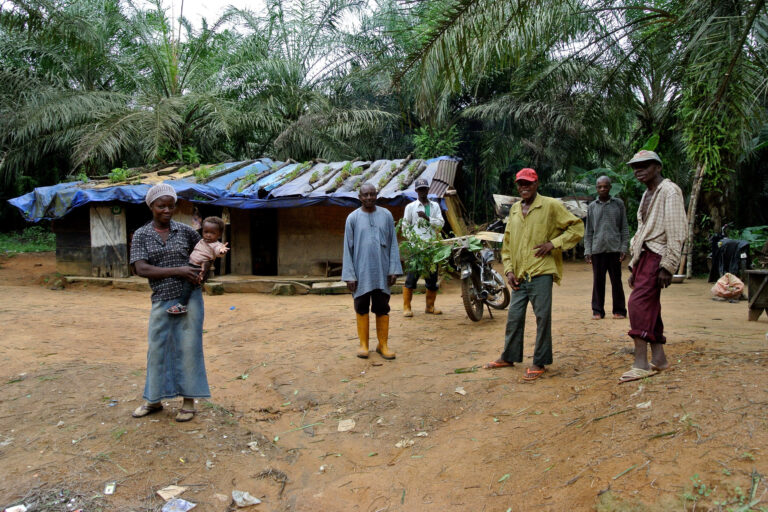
388 176
316 176
405 179
345 173
119 174
298 171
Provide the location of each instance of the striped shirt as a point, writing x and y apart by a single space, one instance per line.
664 229
606 228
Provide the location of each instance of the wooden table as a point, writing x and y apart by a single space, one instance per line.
757 281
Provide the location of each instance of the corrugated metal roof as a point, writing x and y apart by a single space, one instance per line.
445 174
260 183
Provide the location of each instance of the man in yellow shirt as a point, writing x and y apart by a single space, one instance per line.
538 230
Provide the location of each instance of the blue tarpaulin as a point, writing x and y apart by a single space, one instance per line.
278 189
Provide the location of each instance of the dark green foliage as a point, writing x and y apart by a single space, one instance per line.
31 239
432 142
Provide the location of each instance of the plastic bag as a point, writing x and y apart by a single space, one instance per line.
728 287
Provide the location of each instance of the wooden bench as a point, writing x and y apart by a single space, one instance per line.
757 281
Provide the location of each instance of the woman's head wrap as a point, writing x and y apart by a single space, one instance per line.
159 190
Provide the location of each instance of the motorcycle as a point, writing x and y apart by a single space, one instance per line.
481 285
727 255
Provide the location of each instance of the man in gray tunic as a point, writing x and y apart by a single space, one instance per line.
371 265
606 244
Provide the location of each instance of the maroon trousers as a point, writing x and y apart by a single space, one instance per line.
645 300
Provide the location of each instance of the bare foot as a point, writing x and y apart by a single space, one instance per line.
658 357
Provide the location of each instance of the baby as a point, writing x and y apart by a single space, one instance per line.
207 249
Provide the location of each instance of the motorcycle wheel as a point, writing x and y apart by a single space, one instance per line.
500 300
472 305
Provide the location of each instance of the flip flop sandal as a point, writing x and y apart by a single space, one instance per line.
531 375
181 416
497 364
178 309
636 374
145 410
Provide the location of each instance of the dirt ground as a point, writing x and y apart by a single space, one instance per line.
283 374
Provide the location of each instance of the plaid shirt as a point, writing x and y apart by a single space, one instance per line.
147 245
606 228
664 229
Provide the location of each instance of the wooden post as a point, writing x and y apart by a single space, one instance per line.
692 205
453 215
240 231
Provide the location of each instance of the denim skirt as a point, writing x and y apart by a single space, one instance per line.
175 364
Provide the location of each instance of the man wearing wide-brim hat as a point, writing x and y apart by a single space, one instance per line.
656 250
425 221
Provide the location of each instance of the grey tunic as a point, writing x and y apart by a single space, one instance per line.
370 250
606 228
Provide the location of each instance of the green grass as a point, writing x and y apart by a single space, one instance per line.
31 239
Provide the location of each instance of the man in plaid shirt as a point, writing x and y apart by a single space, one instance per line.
656 250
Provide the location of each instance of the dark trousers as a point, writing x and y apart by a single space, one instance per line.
645 300
602 263
538 291
376 300
430 281
188 288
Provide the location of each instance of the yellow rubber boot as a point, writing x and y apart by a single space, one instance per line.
382 333
431 296
407 296
362 333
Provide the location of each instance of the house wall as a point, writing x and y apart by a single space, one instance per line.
310 239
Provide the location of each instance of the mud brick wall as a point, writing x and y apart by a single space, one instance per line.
310 238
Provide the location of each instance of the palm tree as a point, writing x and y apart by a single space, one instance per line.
711 78
297 94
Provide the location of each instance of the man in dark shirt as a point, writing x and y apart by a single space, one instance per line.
606 243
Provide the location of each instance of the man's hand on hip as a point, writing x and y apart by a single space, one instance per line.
543 249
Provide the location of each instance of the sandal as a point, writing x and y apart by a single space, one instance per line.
145 409
185 415
636 374
497 364
178 309
531 375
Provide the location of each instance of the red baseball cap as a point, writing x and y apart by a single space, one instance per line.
526 174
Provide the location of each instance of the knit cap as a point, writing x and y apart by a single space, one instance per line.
159 190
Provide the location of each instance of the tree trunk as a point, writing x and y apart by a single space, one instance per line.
692 204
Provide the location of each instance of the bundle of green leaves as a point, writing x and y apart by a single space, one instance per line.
423 256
